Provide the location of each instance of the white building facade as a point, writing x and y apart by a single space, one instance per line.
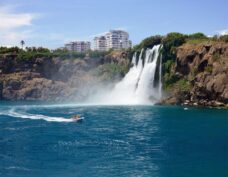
115 39
78 46
100 43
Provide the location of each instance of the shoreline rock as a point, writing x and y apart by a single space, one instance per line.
205 67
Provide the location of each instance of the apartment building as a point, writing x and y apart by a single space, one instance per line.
100 43
115 39
78 46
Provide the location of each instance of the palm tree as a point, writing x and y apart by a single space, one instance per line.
22 43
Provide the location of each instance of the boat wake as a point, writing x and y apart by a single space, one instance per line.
24 115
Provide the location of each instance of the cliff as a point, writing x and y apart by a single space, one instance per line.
200 75
52 78
194 74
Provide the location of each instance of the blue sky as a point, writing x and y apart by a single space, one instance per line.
51 23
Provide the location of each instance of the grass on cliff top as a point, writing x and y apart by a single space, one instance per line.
199 41
212 40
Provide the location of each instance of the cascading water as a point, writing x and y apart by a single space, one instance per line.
146 91
160 78
137 87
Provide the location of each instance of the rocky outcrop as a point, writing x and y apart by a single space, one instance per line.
44 79
30 86
205 66
117 57
50 79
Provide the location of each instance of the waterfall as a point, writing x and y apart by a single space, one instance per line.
160 78
138 86
146 91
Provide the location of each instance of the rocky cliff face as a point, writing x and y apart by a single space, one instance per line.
49 79
205 67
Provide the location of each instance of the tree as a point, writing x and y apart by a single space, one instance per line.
22 43
170 42
151 41
173 40
197 36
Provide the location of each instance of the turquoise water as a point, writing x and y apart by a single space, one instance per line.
39 140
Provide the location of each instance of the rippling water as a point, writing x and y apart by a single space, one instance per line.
40 140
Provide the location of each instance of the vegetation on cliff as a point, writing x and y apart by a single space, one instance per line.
111 71
30 53
194 67
114 66
41 74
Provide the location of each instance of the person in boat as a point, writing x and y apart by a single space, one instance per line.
76 117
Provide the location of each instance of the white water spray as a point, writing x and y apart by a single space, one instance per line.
137 87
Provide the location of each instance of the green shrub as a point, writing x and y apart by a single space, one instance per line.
5 50
170 42
173 39
136 48
29 55
197 36
37 50
169 80
151 41
183 85
168 65
65 54
148 43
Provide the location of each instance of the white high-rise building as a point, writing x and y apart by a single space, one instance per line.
100 43
115 39
78 46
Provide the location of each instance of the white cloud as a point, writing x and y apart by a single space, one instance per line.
223 32
14 26
9 21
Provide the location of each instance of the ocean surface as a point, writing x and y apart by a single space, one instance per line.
40 140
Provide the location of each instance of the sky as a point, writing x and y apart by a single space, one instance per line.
52 23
